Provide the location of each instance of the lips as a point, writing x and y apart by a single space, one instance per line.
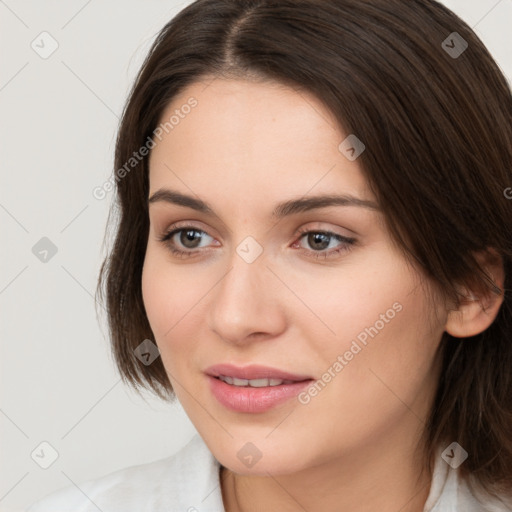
250 394
254 372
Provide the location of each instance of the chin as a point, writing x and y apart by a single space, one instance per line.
261 458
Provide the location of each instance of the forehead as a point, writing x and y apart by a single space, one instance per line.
244 138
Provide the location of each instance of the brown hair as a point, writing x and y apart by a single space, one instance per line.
438 136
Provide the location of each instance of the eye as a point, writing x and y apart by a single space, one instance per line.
188 237
320 240
185 241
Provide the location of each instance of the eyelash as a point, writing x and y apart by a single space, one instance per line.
348 242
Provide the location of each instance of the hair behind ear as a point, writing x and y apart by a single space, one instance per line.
478 306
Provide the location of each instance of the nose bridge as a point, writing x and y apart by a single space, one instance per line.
244 301
240 283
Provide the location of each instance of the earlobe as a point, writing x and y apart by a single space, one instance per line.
476 313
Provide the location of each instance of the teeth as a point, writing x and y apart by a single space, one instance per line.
254 383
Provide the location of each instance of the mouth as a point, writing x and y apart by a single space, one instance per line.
253 383
253 375
253 389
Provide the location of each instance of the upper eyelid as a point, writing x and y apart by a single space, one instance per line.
178 226
298 217
192 225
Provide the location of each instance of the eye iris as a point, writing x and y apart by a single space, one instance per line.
189 235
318 238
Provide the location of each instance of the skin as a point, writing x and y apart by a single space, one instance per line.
245 147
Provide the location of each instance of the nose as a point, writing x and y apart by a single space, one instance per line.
247 303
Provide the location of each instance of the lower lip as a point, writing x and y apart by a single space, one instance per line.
249 399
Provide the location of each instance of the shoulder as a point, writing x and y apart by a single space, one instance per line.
185 481
451 493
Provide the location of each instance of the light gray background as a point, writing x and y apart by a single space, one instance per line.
58 122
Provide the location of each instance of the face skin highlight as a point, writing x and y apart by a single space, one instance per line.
245 148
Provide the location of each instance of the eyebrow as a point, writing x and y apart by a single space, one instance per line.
290 207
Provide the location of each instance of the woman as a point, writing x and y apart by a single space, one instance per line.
313 256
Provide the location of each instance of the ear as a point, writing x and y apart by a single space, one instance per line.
477 312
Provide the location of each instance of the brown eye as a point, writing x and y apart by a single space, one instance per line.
319 241
184 240
189 238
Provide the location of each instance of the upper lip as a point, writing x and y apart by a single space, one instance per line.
253 371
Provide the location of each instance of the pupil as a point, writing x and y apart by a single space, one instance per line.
320 238
189 236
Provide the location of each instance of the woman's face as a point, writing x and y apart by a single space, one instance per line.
251 288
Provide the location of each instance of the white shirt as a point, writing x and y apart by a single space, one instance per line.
188 481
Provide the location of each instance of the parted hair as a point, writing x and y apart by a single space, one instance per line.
419 88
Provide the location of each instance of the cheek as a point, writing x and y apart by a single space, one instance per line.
172 299
382 325
156 295
167 292
375 373
160 289
354 301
